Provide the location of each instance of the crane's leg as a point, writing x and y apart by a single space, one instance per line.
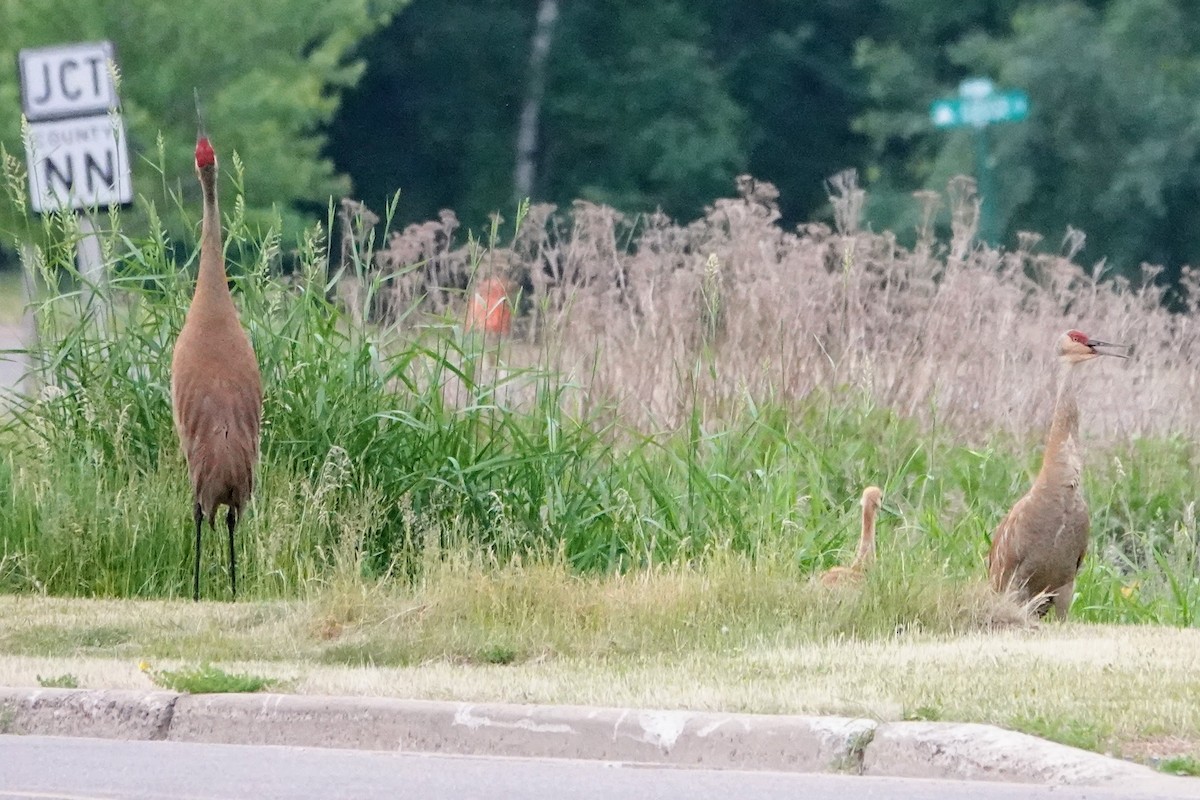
198 514
1062 599
231 521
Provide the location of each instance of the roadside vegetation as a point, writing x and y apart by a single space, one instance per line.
652 465
205 679
718 641
670 397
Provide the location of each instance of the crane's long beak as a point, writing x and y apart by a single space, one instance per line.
200 133
1094 343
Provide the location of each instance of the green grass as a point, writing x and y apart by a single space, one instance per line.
207 679
1180 765
64 681
52 640
1067 730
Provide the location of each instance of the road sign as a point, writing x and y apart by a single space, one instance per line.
75 148
67 81
78 163
954 112
979 104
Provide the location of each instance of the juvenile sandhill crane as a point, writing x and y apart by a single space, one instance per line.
872 499
1039 546
216 393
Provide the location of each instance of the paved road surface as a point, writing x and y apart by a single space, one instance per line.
53 768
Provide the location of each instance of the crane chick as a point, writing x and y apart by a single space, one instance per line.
872 500
216 392
1039 546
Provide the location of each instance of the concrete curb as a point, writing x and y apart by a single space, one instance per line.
681 738
102 713
803 744
963 750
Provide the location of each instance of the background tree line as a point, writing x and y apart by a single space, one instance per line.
661 105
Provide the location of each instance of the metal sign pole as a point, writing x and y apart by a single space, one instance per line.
987 193
979 105
32 362
90 260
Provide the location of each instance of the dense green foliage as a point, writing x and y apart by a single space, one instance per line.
662 105
269 76
647 105
1110 145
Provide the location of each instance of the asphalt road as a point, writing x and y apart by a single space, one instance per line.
54 768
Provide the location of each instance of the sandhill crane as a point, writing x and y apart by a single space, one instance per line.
872 499
1039 546
216 392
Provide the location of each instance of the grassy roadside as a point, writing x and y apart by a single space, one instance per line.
620 426
679 426
731 639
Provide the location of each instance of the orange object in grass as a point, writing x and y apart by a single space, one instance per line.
489 310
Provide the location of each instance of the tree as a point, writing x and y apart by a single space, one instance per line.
906 64
531 107
637 114
1112 142
435 116
789 64
635 110
270 74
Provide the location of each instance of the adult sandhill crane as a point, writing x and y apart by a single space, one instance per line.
1039 546
872 499
216 392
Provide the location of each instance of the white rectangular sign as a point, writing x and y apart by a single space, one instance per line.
67 80
78 163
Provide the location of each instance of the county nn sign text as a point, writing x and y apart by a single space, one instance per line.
75 145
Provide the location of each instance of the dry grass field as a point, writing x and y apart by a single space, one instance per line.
948 332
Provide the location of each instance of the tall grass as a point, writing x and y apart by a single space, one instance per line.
364 455
675 396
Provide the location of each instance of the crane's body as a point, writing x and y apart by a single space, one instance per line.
216 391
864 556
1039 545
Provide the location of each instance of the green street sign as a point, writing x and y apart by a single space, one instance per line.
978 105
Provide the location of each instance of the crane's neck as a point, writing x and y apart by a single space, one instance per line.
1061 460
212 286
866 542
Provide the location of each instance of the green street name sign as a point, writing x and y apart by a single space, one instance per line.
977 105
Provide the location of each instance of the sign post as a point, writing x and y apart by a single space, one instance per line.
75 147
978 105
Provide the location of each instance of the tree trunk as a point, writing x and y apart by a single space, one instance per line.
526 169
